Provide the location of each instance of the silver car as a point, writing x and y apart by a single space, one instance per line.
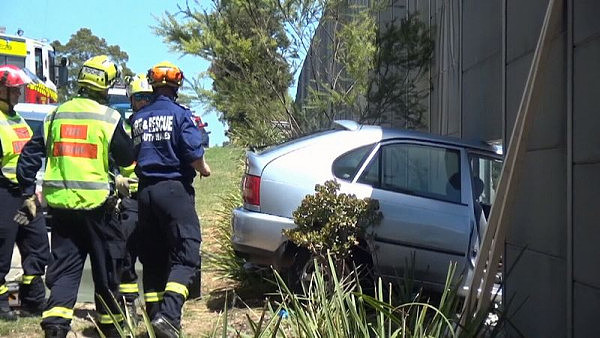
435 194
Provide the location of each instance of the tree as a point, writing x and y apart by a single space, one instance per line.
81 46
256 46
403 57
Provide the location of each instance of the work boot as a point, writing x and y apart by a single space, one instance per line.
7 314
31 310
164 329
55 331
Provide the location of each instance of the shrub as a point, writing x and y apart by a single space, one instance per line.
332 222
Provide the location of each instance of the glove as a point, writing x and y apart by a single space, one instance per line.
122 184
27 211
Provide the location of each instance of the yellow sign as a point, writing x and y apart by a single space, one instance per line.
12 47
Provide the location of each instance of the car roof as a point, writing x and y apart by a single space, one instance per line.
32 111
368 134
389 133
396 133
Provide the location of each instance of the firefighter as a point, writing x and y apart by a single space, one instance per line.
168 150
31 238
140 95
78 138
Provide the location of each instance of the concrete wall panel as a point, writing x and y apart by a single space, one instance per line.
586 106
540 205
586 232
585 14
524 20
516 76
537 282
481 95
585 311
549 127
482 33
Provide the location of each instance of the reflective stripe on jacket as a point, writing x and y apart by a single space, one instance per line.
14 133
77 148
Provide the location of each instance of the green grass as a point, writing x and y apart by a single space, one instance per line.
226 164
20 327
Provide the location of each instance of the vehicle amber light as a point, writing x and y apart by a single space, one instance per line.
251 189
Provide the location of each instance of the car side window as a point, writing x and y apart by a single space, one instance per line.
346 166
420 170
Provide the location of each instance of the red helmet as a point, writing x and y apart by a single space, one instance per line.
13 76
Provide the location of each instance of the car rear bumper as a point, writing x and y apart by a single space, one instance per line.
258 237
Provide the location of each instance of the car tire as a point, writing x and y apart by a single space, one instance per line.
300 273
295 274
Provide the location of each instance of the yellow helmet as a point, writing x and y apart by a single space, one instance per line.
138 84
165 74
98 73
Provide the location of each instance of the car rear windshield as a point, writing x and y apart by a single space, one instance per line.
347 165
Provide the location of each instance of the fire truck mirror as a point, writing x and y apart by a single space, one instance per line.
63 76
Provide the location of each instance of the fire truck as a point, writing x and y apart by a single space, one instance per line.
37 58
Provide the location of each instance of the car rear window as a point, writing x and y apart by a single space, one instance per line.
346 166
420 170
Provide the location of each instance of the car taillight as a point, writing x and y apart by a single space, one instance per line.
251 189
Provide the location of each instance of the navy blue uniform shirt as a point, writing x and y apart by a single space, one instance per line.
166 141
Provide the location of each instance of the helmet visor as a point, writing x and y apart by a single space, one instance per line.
163 74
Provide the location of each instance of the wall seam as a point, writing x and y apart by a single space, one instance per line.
569 259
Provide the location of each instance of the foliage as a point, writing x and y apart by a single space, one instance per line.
81 46
403 57
245 42
339 63
345 311
222 259
256 46
331 223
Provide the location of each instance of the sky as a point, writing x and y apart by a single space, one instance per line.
125 23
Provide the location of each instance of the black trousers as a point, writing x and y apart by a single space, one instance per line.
170 239
75 234
128 217
32 241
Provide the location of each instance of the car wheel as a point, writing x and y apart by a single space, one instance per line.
297 274
302 270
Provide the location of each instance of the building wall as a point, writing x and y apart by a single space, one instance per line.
481 62
551 251
586 167
552 277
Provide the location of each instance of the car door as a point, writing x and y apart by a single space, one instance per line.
426 213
